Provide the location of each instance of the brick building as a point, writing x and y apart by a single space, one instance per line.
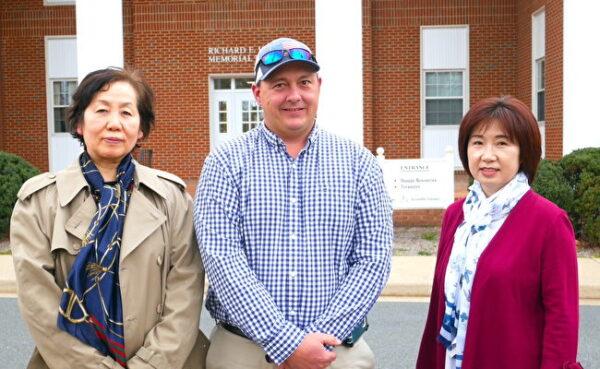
424 63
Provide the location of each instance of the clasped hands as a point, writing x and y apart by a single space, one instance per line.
311 354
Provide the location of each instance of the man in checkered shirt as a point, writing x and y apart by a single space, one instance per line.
295 230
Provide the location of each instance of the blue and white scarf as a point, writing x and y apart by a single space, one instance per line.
482 219
90 307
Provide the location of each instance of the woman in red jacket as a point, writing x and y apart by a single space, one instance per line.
505 290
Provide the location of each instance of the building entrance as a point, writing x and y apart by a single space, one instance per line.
233 109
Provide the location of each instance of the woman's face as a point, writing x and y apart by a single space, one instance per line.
111 124
493 158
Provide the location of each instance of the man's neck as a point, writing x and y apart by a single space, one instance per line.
293 143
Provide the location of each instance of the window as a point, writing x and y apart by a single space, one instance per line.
538 67
540 89
222 116
251 115
444 97
62 92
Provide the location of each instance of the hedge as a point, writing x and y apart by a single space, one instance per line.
14 171
573 183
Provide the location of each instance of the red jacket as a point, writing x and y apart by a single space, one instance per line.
524 301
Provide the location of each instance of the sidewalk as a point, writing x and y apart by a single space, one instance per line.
410 278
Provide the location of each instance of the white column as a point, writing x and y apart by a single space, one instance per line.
338 28
99 35
581 121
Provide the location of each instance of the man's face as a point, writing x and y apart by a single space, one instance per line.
289 99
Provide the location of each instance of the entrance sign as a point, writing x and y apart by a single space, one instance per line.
419 183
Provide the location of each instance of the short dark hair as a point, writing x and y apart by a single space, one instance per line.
100 80
517 122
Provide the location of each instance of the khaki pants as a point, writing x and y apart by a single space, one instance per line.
230 351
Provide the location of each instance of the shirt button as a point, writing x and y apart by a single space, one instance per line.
159 260
293 200
292 312
293 274
293 236
159 309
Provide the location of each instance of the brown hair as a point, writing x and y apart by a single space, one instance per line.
101 80
515 119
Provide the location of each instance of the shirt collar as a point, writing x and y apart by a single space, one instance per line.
276 141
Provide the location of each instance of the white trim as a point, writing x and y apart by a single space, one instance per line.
212 131
466 81
534 59
49 93
58 2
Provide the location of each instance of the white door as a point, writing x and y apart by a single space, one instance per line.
61 62
234 109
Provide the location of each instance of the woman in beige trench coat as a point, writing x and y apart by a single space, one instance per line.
157 267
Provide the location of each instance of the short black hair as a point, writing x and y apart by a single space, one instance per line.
100 80
515 119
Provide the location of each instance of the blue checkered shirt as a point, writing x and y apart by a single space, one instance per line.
292 246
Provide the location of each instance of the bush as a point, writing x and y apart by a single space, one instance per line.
551 183
14 171
574 184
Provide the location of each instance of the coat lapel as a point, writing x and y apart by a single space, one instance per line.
142 219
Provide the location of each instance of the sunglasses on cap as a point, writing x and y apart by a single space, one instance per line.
275 56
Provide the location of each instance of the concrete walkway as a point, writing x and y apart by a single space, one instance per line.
411 277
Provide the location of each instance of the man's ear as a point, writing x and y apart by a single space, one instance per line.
256 92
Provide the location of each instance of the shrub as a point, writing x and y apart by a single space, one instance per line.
574 184
579 162
551 183
14 171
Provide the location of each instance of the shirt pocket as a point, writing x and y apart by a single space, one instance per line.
333 205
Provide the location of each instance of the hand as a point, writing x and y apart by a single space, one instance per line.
311 354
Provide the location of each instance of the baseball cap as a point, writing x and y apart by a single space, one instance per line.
284 51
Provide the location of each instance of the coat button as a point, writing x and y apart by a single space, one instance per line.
159 308
159 260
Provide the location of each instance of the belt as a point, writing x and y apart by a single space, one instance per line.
233 329
348 342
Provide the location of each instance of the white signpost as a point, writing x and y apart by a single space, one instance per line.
419 183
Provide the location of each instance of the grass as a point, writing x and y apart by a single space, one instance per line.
5 252
424 253
430 235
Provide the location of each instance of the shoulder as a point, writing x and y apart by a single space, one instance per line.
343 152
539 208
36 184
163 183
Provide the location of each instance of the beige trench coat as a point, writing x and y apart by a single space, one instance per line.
161 274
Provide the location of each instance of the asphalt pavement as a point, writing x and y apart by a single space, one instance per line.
394 334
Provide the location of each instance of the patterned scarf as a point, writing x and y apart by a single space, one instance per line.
90 307
482 219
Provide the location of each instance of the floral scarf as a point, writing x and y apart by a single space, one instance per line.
482 219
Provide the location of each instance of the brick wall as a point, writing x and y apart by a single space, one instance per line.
169 42
554 66
396 61
23 25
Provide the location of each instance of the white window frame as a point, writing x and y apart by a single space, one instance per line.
52 105
211 90
59 2
535 58
425 98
